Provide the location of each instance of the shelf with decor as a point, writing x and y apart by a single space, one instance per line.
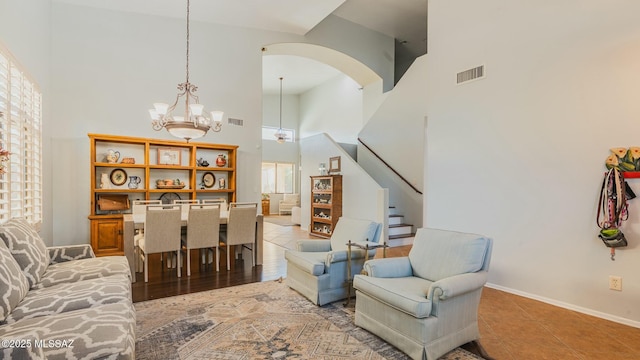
124 169
326 204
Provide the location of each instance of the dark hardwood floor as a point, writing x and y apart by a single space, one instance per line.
164 282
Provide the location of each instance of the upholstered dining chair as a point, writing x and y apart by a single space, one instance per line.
184 204
241 228
203 229
162 226
221 201
140 207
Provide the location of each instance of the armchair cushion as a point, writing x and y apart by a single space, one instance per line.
311 262
459 253
313 245
27 248
291 199
355 230
413 291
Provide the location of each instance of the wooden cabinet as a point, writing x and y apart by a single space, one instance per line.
123 169
326 204
106 235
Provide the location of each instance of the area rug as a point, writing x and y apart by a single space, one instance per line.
264 320
282 220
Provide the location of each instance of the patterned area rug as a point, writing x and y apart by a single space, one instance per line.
264 320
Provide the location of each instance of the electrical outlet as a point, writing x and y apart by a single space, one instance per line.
615 282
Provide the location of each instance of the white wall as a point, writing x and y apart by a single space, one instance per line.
109 67
362 197
519 156
289 151
25 28
334 107
374 49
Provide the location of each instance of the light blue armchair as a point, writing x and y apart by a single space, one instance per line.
426 304
318 268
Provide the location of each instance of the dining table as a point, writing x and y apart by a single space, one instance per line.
133 222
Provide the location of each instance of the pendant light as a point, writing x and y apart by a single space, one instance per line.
194 123
281 136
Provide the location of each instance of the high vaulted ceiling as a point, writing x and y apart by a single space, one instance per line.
404 20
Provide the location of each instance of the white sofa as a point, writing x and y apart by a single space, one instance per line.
288 202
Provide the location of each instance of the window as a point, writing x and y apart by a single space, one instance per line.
21 135
277 177
269 133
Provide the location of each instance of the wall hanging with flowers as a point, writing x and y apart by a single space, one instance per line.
624 159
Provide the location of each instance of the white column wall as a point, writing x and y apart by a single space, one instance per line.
362 197
519 156
334 107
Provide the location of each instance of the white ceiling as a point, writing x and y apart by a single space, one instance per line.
404 20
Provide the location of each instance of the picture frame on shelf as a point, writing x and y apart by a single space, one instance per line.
208 179
169 156
334 165
118 177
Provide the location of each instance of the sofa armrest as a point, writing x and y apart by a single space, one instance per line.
59 254
389 267
313 245
457 285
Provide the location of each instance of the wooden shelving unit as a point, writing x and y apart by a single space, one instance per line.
149 157
326 204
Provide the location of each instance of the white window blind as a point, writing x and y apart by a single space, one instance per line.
21 135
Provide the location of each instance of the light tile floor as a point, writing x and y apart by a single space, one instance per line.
517 328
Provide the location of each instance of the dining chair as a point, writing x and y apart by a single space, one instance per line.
140 207
241 228
203 229
185 205
221 201
162 226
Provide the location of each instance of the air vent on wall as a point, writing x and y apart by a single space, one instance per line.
471 74
236 122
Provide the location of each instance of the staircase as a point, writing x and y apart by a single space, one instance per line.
400 234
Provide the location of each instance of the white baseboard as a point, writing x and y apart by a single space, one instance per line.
568 306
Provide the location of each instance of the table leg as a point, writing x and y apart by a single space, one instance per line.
349 279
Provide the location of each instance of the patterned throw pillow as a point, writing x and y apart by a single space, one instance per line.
27 248
13 283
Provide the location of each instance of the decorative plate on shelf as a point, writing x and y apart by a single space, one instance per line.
208 179
118 177
169 197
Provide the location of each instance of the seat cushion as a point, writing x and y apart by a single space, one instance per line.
448 252
27 248
101 332
356 230
13 283
408 294
84 269
72 296
311 262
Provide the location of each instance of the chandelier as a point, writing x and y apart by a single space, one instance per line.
281 136
193 124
